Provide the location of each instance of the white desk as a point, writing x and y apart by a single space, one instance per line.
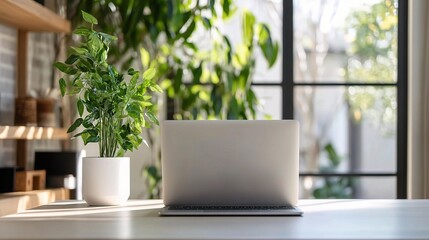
324 219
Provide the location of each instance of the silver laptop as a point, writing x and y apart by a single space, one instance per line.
230 167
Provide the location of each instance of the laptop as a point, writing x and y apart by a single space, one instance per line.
233 167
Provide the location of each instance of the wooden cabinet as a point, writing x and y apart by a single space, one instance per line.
26 16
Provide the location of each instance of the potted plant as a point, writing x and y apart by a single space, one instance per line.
112 112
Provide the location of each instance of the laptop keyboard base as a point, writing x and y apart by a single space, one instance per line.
230 211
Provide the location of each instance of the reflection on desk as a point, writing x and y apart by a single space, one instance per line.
138 219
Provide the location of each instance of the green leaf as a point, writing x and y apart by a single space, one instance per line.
107 38
65 68
226 7
82 31
93 139
207 23
216 99
138 98
81 51
191 45
75 125
133 80
156 88
263 33
252 101
112 71
87 122
189 30
270 53
333 156
145 104
87 138
248 26
196 73
145 57
131 71
149 74
152 172
134 110
78 134
89 18
77 83
233 110
213 6
63 86
269 48
80 107
85 64
120 153
94 44
177 83
177 18
92 132
71 59
152 117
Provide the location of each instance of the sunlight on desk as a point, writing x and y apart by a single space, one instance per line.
74 208
338 205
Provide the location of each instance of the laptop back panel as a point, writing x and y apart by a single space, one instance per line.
230 163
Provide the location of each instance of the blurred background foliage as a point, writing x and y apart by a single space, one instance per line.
373 54
204 75
333 187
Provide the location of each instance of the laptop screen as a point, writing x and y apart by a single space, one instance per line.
238 162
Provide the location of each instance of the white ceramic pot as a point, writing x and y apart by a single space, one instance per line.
106 181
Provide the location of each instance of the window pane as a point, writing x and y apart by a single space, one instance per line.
270 98
270 13
347 129
348 187
345 41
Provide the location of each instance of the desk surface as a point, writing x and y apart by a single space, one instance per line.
138 219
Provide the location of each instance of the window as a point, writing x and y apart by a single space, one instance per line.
344 79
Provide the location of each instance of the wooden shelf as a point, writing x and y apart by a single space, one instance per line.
33 133
30 16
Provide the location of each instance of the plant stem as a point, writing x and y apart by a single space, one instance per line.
101 143
107 144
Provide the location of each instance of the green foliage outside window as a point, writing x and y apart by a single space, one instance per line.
333 187
374 59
